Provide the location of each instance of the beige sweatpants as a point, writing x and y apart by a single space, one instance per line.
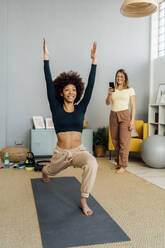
77 157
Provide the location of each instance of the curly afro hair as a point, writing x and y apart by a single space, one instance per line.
66 78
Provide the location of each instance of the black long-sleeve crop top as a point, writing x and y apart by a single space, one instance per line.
68 121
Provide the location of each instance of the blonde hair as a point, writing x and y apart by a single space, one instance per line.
126 82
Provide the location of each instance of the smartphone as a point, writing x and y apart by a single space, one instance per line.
112 85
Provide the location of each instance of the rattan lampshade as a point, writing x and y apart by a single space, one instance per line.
138 8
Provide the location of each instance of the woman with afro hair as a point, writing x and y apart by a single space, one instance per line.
68 110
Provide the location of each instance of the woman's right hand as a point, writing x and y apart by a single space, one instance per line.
109 96
45 50
110 90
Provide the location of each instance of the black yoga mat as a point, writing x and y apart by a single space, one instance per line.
62 224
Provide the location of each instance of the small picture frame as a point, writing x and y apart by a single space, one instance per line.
160 99
38 122
49 123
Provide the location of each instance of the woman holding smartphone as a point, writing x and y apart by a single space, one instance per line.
64 94
121 119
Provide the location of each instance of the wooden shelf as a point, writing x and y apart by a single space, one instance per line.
154 123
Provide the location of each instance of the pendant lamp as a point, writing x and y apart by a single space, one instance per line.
138 8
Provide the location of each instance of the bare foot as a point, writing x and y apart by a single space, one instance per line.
83 205
117 167
120 171
45 178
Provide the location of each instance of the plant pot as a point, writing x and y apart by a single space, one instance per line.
99 150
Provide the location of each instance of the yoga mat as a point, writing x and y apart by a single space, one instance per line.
62 223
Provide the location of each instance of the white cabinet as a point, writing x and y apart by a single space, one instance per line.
43 141
156 119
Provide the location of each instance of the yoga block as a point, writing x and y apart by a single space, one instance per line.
16 153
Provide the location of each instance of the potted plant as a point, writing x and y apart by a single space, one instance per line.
100 141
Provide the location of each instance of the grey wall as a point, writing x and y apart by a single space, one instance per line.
70 28
3 73
158 76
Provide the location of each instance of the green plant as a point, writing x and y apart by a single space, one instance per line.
100 137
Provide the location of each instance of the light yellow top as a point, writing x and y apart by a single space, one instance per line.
121 98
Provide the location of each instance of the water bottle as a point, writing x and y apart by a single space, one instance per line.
6 161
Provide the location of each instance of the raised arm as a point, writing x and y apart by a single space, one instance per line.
88 91
93 53
45 50
48 77
47 72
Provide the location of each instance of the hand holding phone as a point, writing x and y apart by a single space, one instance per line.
112 85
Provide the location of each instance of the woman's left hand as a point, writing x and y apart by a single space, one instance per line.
131 125
93 51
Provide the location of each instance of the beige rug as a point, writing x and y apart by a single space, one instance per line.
136 205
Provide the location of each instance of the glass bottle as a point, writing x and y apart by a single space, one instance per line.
6 161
